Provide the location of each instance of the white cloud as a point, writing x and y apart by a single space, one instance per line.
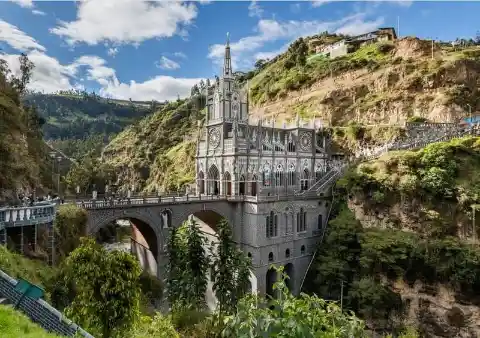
96 69
180 55
166 63
112 51
254 9
48 75
24 3
357 27
247 48
318 3
159 88
128 21
37 12
17 39
295 8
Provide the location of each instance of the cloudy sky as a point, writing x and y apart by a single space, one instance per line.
156 50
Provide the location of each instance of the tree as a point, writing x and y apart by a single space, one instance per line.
288 316
230 270
259 64
302 51
175 269
197 264
107 291
26 69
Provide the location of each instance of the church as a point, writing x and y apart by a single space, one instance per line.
270 170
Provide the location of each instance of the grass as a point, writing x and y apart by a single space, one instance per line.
17 266
14 324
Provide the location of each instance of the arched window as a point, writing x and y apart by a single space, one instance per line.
249 255
291 175
304 180
270 257
271 225
320 222
301 221
287 253
279 175
266 176
302 250
227 184
253 186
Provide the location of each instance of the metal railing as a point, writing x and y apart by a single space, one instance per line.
30 215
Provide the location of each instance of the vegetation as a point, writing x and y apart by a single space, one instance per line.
21 149
81 115
437 184
17 265
106 289
14 324
70 225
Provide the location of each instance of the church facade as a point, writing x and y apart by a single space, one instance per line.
266 169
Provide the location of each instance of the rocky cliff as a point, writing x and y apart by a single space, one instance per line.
378 84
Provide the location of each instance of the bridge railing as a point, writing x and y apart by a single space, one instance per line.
22 216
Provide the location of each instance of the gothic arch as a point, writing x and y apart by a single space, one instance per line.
305 179
241 185
166 218
288 269
213 180
253 186
227 184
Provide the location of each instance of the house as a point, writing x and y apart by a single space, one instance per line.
351 44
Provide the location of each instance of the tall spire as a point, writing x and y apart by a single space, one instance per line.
227 62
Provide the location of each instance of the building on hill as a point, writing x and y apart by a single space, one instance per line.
270 168
351 44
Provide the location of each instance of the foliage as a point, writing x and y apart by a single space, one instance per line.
106 286
361 257
17 265
288 316
14 324
175 269
230 270
159 326
197 262
70 225
90 174
77 116
22 152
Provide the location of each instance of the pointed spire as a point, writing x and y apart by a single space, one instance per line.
227 62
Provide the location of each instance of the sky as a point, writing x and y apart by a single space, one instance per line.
132 49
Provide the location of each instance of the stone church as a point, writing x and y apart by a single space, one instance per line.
268 170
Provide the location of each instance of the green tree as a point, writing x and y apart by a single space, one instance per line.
197 263
107 291
175 269
230 270
301 317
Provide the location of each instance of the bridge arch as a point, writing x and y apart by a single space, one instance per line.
148 225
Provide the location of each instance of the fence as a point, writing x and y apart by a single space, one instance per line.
39 310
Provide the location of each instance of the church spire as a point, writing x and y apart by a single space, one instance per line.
227 62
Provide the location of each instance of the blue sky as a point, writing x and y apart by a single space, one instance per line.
139 50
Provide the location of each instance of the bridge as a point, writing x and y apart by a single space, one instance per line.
154 215
23 228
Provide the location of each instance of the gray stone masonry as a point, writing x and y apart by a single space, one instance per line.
39 311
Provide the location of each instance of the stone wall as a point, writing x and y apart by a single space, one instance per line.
39 311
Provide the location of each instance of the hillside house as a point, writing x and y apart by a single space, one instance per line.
352 44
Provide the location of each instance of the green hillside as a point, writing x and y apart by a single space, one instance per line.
14 324
76 116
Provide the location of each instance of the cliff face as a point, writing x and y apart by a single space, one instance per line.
415 239
375 85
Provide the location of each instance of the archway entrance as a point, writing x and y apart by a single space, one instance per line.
213 181
271 279
288 270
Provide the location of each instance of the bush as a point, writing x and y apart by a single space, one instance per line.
385 47
70 225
